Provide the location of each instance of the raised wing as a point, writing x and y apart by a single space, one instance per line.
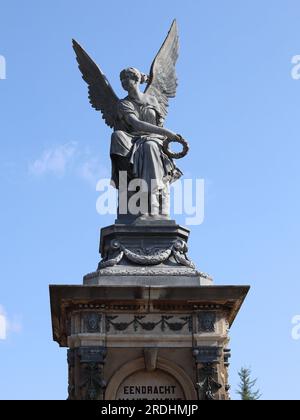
163 80
101 95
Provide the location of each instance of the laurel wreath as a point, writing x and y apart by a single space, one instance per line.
173 155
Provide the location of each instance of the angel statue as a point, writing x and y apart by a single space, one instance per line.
139 143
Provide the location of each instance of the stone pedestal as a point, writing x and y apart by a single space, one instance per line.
146 253
146 324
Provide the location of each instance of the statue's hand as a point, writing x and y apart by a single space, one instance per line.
177 137
172 136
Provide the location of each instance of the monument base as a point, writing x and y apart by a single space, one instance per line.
146 324
146 342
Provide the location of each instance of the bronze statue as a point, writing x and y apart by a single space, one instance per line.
139 143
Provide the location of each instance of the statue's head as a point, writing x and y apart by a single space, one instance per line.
132 75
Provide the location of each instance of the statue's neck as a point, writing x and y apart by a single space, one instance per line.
136 95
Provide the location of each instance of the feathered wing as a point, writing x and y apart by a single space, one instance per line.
101 95
163 80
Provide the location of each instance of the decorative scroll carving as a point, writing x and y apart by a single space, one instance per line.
182 259
91 384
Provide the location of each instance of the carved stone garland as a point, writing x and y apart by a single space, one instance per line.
148 257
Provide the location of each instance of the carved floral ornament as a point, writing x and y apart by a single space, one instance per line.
150 256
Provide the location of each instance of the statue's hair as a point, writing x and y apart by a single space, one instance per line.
139 77
144 78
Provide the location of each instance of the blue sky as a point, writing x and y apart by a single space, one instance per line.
237 104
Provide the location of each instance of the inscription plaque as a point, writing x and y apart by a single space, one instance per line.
145 385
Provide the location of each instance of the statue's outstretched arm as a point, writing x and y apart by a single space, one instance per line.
146 127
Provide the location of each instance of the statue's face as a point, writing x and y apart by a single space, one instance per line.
128 81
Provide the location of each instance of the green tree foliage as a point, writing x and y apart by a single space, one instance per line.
246 386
